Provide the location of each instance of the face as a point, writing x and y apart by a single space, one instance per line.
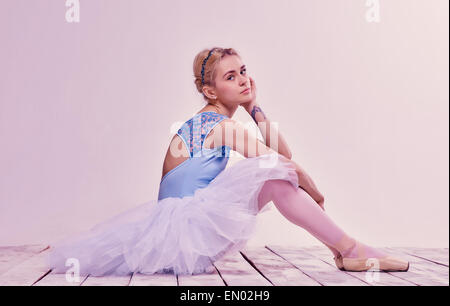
231 79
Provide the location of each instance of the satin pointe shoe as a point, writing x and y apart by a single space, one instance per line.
339 262
363 263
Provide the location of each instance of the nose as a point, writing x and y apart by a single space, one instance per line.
243 81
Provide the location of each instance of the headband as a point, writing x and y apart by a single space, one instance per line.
203 65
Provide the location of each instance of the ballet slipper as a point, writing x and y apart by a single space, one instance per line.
339 262
364 263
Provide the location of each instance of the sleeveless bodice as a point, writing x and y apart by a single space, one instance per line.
203 164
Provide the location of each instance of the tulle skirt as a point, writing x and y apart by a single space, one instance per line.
176 235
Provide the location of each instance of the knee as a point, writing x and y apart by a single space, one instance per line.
278 188
273 190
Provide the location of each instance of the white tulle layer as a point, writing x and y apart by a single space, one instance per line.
177 235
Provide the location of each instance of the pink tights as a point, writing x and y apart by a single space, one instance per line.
298 207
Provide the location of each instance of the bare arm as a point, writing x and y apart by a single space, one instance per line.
279 145
233 134
272 137
307 184
268 130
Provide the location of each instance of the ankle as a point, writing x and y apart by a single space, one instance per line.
349 251
361 250
346 245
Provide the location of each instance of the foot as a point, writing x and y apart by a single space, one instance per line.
359 249
339 262
337 257
361 257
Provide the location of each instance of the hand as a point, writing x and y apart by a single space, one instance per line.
316 196
248 105
321 203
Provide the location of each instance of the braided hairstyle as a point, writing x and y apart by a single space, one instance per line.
204 66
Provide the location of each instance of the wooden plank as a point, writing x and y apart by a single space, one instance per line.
11 256
137 279
206 279
107 280
276 269
236 271
320 271
421 271
371 277
436 255
157 279
59 279
27 272
273 265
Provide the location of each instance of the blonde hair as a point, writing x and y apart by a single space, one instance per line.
210 66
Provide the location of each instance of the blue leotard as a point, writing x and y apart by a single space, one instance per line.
203 164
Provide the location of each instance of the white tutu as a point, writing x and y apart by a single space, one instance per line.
176 235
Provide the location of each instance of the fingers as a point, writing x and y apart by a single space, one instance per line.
321 204
253 87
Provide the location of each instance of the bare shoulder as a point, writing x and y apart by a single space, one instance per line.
175 141
226 128
229 123
176 153
236 136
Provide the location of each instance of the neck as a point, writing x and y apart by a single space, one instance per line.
219 108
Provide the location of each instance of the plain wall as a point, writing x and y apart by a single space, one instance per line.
86 108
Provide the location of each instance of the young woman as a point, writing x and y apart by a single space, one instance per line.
205 210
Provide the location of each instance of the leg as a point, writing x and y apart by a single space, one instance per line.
298 207
265 196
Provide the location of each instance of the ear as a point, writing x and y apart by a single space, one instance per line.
209 92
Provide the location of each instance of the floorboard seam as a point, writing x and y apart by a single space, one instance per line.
254 267
295 266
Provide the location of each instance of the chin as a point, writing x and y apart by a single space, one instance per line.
243 97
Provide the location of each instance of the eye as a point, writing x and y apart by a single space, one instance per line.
243 70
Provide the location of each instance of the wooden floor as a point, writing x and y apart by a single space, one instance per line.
271 265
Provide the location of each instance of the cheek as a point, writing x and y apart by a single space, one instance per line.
227 90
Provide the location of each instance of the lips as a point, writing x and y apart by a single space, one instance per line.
245 90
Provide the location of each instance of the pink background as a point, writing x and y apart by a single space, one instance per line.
86 108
